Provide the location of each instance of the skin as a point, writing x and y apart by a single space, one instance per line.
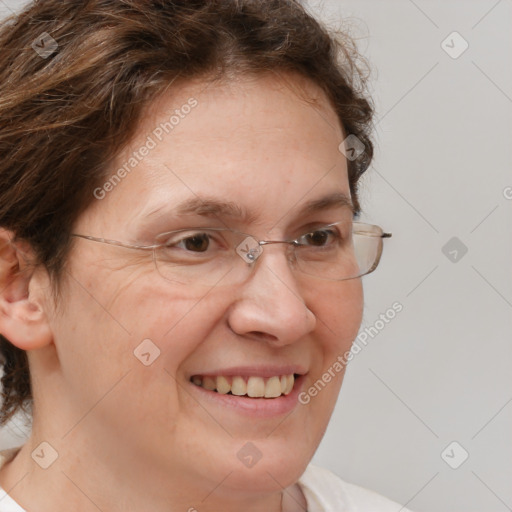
132 437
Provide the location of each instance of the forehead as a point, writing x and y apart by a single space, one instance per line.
265 142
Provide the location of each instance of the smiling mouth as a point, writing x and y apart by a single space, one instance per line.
253 387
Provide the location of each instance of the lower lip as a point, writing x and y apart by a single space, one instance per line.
255 407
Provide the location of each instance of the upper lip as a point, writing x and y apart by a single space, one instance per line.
265 371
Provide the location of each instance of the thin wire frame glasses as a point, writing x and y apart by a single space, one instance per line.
209 256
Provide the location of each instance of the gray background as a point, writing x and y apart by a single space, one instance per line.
438 372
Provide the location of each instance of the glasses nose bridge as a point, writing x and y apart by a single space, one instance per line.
273 242
251 255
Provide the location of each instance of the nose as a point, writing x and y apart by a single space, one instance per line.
269 304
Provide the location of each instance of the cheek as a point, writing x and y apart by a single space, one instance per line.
107 323
103 351
175 317
339 311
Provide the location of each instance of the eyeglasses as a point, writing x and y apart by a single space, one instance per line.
334 252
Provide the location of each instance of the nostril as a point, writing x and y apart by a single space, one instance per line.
264 336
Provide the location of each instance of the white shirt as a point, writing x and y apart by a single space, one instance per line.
323 490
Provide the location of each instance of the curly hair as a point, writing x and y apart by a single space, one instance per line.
67 111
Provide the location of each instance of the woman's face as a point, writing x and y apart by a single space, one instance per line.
129 342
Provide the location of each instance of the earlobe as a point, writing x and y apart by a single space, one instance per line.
22 318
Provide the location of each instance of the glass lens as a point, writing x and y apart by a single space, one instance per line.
368 246
219 256
348 258
198 256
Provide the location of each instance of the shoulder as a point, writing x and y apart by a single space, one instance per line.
326 492
7 504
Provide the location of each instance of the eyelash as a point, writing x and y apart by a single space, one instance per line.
332 233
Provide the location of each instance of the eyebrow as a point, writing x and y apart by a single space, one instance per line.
335 200
213 207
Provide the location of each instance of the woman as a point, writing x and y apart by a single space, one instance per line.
169 354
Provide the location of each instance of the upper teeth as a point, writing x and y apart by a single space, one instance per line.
255 387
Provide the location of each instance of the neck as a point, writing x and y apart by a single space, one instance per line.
128 485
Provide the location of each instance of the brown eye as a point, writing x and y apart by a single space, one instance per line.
318 238
197 243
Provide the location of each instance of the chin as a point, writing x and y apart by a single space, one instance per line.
267 477
266 465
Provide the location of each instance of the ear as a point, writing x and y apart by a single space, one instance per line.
23 320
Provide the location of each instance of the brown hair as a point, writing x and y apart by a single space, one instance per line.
68 104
